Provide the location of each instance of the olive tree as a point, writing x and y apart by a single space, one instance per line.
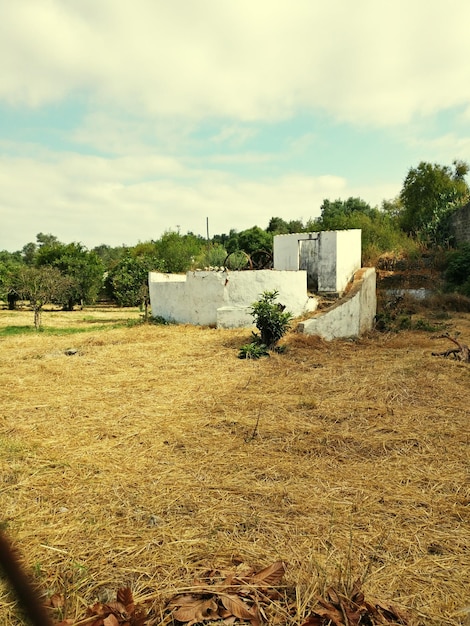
40 286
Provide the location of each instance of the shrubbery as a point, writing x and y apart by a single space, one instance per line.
457 273
272 321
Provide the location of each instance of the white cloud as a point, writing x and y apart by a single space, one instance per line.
125 200
129 199
371 61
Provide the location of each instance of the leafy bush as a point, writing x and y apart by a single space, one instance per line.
271 319
458 270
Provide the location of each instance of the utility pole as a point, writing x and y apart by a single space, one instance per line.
207 228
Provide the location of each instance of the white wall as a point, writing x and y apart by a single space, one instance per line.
348 256
197 297
334 254
350 316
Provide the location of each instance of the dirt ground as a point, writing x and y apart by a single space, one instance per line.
142 455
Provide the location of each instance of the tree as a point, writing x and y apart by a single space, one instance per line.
277 226
127 281
84 268
380 229
10 263
340 213
109 255
429 194
178 252
41 285
254 239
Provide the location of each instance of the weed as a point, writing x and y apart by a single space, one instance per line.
253 350
422 324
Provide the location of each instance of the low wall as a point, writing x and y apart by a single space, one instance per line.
224 298
350 316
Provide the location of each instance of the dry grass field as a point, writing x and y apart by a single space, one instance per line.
153 453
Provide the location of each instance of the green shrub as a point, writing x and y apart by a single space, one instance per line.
457 272
253 350
271 319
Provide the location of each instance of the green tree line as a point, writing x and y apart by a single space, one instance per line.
68 274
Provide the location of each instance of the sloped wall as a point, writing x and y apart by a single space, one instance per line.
350 316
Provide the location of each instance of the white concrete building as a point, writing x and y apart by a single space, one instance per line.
330 257
224 298
324 262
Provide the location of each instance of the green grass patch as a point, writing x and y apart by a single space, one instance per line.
12 331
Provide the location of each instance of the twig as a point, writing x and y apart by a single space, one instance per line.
255 429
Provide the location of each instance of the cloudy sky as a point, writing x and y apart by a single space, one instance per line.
121 119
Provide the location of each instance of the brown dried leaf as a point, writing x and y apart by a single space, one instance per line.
111 620
98 609
331 613
386 612
57 601
237 607
182 600
196 611
333 595
124 596
313 620
270 576
117 608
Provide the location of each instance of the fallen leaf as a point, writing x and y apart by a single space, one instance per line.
57 601
240 609
386 611
313 620
196 611
271 575
124 596
333 595
328 610
111 620
117 608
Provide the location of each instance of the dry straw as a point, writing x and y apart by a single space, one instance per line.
144 455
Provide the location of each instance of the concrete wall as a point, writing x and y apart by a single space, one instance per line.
348 256
460 224
224 299
352 315
331 257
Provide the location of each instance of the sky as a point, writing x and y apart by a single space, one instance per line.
123 119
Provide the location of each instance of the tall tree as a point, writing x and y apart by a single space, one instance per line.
127 281
430 193
83 267
254 239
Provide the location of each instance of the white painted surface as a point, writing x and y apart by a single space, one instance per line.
332 255
350 316
224 298
348 256
197 297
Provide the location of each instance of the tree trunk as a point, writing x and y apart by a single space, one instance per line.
37 319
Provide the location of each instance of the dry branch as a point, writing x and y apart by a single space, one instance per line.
461 353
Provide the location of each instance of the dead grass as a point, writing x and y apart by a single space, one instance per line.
136 461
